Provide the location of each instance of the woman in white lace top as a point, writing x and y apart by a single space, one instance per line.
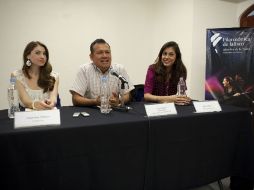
37 85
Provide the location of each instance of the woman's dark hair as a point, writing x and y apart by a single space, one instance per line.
229 80
178 68
45 81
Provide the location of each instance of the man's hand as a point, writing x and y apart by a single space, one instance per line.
114 99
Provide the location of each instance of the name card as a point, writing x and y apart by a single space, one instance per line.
207 106
160 109
36 118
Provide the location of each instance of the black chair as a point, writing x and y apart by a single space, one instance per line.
220 185
58 102
137 94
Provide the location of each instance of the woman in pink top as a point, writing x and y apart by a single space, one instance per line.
162 76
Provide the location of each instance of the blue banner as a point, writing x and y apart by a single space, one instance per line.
229 63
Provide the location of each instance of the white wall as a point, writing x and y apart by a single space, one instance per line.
135 29
243 6
209 14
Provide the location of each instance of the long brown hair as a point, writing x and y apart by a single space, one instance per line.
178 68
45 81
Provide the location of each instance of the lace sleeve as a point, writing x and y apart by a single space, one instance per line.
20 77
54 74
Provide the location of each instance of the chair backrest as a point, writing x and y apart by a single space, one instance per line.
58 101
137 94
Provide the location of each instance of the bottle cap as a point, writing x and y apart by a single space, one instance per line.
13 79
104 78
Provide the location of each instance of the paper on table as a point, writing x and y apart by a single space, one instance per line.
29 109
207 106
36 118
160 109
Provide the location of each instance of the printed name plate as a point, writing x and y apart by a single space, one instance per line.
160 109
37 118
207 106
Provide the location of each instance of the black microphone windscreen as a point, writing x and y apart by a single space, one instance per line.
113 72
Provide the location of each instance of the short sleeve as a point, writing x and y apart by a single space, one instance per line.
54 74
80 83
20 77
149 82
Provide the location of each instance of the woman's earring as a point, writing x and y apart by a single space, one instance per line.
28 63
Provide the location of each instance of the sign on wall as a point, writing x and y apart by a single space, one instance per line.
229 61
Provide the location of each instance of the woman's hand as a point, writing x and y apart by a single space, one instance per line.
237 94
182 100
43 105
178 100
50 103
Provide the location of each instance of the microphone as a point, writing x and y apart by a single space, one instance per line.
113 72
122 108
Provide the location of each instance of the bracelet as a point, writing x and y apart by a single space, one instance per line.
34 108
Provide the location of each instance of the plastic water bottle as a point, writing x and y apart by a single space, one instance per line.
104 95
13 98
181 87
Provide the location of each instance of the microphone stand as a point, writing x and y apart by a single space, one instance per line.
122 93
122 106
